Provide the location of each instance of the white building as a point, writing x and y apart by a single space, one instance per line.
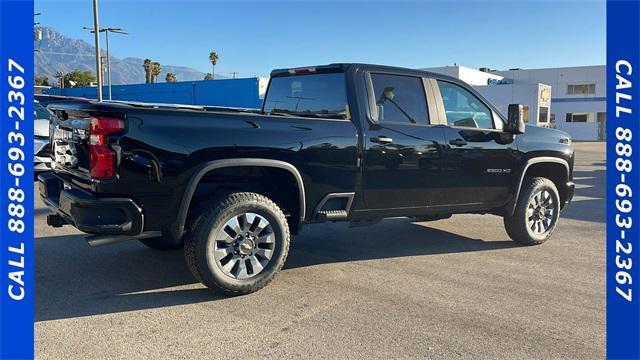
578 100
535 98
572 99
468 75
263 83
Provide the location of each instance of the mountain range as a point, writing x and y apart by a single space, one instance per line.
57 52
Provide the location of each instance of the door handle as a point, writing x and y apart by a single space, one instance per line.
382 139
458 142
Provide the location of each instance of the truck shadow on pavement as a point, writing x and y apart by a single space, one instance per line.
74 280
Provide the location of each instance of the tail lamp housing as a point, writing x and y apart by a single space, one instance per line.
102 159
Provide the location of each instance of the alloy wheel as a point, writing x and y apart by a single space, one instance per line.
244 246
540 212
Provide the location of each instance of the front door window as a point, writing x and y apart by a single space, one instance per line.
463 109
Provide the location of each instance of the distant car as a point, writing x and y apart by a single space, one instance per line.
42 150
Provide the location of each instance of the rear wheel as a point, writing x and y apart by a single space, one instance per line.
238 244
536 213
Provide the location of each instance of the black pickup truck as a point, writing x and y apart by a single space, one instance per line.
340 142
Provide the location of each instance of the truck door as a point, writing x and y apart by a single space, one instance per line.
403 156
481 159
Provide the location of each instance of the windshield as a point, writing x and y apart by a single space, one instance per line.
314 95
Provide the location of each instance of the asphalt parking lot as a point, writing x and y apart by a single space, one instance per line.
456 288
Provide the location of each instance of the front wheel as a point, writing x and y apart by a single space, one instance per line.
536 213
238 244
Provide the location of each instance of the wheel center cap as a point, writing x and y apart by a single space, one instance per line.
245 246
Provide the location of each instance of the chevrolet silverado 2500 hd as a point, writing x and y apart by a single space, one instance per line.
340 142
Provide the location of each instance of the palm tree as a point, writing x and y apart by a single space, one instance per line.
147 70
171 77
155 70
208 76
213 57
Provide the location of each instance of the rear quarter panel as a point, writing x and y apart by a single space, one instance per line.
178 142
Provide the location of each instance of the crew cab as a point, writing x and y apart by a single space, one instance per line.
339 142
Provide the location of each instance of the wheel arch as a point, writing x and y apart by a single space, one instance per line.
178 226
545 166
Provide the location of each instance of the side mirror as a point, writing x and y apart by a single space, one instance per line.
515 119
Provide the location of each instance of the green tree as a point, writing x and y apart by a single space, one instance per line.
209 76
80 78
213 57
147 70
41 81
171 77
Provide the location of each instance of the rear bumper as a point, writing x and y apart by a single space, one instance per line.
88 213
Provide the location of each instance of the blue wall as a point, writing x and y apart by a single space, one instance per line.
226 92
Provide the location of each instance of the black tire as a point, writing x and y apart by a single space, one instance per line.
201 240
161 244
521 226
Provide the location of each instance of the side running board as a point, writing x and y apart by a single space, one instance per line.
329 215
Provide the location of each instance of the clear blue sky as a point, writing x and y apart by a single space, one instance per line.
254 37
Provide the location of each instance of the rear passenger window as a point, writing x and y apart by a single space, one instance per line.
399 99
321 95
464 109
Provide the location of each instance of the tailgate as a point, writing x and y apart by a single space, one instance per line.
69 134
70 144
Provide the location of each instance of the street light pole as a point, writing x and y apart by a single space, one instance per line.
106 33
96 25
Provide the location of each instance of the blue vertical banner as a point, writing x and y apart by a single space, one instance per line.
623 180
16 179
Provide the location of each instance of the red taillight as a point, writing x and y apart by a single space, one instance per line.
102 160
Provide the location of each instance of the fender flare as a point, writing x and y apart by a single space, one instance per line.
178 226
532 161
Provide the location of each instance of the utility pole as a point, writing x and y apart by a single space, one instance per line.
96 25
60 77
102 67
106 32
37 33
